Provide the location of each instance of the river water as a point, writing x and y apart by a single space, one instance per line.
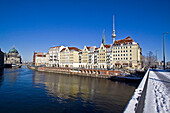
27 91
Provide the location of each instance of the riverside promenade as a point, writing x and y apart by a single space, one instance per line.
152 95
78 71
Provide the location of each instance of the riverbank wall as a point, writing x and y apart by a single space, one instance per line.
80 72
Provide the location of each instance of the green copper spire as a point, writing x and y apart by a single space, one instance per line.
103 40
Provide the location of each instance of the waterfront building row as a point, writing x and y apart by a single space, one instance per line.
121 53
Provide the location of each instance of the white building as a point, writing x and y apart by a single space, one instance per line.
39 59
54 56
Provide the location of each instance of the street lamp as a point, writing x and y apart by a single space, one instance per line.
164 50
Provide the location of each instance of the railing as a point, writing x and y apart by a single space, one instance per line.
136 103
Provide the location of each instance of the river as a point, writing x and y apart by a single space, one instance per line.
27 91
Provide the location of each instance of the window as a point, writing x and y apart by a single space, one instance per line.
130 46
130 50
130 58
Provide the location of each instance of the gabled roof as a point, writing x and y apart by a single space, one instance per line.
107 46
40 54
71 48
125 41
96 48
91 47
55 47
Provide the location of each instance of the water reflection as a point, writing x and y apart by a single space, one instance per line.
102 93
1 76
11 75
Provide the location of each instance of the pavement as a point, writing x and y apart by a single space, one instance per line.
157 98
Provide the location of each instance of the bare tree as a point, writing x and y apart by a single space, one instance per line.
149 61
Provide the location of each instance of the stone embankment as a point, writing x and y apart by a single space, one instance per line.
81 72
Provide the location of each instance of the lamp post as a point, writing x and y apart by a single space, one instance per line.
164 50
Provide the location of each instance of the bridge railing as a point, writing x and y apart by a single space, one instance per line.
136 103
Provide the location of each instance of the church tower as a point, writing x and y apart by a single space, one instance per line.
103 40
113 34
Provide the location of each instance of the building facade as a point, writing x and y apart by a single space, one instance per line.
126 53
12 57
40 59
54 56
69 57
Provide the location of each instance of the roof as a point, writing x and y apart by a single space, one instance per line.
91 47
13 50
125 41
107 46
55 47
71 48
40 54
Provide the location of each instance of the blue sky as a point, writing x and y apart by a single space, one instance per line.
37 25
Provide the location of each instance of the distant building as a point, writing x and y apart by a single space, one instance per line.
168 64
1 59
39 59
12 57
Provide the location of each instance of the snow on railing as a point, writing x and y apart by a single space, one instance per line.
138 95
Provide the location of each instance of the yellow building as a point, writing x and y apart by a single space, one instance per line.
104 56
126 53
69 57
87 57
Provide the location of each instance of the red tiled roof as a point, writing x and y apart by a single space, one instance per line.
41 55
107 46
63 49
126 40
96 48
71 48
88 48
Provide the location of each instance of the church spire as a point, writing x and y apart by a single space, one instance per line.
113 34
13 46
103 39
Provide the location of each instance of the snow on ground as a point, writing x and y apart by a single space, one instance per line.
158 94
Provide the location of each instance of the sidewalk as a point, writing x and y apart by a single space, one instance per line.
157 98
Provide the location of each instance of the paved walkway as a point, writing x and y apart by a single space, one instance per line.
158 92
